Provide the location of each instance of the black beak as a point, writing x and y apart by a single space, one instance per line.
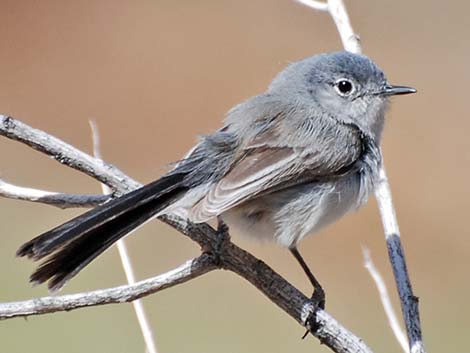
390 90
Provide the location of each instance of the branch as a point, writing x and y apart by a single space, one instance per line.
340 16
385 299
316 5
228 256
56 199
66 154
189 270
409 302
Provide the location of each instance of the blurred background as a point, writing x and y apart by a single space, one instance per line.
154 75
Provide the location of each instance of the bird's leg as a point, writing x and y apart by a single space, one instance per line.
318 293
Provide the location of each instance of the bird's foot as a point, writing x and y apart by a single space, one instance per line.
318 302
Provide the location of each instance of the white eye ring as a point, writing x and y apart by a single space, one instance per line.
344 87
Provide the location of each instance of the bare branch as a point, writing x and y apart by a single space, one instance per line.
290 299
191 269
340 16
50 198
385 299
316 5
126 262
66 154
409 302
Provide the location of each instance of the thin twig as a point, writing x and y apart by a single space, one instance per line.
385 299
409 302
126 262
189 270
316 5
66 154
340 16
56 199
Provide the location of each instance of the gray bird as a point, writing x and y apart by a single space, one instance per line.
285 164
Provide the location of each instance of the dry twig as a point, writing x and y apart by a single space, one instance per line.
385 299
56 199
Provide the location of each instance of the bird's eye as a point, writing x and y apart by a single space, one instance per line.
344 87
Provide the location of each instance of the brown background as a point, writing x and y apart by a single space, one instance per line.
154 74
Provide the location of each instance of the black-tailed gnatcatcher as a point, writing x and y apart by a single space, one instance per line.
285 164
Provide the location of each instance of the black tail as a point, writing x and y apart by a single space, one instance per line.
74 244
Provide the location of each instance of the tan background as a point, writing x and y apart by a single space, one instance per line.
154 74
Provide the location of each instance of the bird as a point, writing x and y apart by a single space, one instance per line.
285 164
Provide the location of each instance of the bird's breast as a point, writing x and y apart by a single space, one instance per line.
287 216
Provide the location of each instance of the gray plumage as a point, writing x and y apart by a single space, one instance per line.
285 164
295 158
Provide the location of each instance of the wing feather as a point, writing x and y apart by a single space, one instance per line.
249 178
280 156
